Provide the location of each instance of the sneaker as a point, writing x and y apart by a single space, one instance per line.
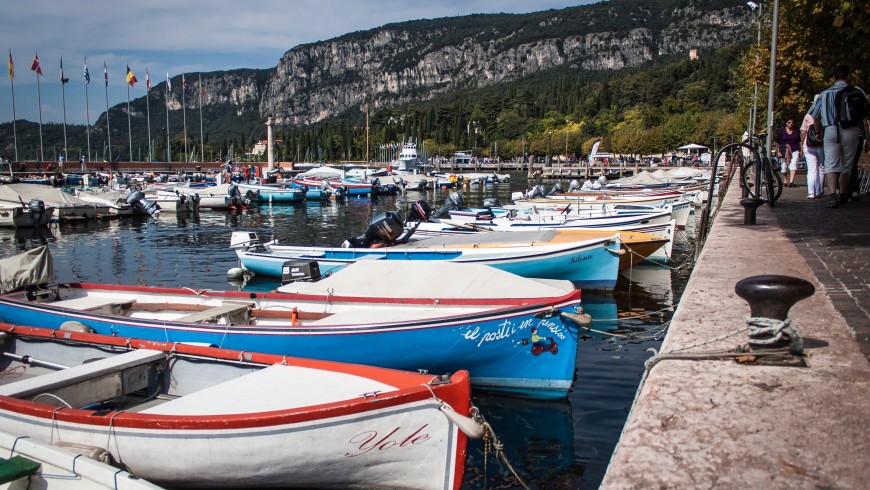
833 202
811 196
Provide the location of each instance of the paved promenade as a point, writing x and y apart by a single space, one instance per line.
720 424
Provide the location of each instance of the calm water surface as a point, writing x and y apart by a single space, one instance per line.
563 444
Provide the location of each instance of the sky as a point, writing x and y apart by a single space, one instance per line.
180 36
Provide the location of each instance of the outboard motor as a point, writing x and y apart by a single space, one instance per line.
37 210
573 186
454 201
557 188
377 190
137 200
535 192
420 211
385 227
400 182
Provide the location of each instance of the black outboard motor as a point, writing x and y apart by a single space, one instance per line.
377 189
420 211
37 210
400 183
573 186
557 188
385 227
234 195
454 202
137 200
537 191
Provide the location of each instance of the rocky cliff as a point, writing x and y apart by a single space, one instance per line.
419 60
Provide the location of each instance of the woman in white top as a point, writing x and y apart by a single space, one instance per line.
815 157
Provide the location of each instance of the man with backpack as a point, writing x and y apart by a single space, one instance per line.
839 112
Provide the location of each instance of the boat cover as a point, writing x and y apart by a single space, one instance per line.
426 279
18 193
27 269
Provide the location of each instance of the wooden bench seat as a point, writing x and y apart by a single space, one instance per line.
107 378
87 303
228 309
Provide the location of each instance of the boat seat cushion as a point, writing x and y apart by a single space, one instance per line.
16 467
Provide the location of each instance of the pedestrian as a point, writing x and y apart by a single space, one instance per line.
789 150
82 162
815 157
840 136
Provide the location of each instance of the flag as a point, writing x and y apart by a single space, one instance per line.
63 79
131 78
35 65
201 88
87 73
183 83
11 68
168 83
106 73
147 80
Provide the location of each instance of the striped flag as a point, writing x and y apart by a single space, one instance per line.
183 83
131 78
11 67
63 79
147 80
168 83
87 73
106 73
201 88
35 65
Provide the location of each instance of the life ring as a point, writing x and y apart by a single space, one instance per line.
452 178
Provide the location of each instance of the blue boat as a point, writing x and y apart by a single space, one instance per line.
274 193
512 334
548 254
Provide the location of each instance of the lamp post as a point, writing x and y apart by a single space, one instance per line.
754 111
549 147
567 122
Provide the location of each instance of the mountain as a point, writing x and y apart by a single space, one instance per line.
425 60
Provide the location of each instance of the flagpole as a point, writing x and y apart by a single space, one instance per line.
129 127
63 99
108 126
168 150
39 100
87 108
148 111
12 82
184 113
201 137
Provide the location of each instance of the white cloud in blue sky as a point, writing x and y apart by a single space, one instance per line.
182 36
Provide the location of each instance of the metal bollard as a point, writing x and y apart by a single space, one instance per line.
770 298
750 206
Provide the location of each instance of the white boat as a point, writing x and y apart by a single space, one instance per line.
220 197
66 206
183 415
34 214
29 463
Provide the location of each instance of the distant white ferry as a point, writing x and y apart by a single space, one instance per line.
462 158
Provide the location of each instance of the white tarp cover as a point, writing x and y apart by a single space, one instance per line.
428 279
26 269
684 173
322 173
16 193
644 178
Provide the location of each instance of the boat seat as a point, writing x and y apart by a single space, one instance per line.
15 468
112 306
106 378
233 312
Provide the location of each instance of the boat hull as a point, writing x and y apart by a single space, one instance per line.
489 339
214 436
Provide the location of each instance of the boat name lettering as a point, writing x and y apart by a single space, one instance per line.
370 440
553 327
505 330
580 258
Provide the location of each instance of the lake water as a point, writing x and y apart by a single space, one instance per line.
563 444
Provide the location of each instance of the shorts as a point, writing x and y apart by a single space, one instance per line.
841 146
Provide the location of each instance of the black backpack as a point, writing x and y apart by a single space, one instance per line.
851 106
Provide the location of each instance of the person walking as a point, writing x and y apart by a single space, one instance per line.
815 157
840 141
789 151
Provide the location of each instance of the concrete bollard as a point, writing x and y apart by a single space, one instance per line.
750 206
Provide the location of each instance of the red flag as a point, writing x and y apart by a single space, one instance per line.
183 83
147 80
35 65
131 78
